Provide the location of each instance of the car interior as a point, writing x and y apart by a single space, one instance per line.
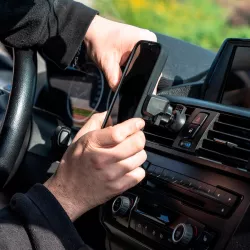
196 193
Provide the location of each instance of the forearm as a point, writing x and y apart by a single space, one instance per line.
56 28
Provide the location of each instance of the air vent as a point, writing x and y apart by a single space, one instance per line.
228 142
159 135
163 136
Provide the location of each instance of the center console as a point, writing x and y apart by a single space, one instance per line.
196 193
189 200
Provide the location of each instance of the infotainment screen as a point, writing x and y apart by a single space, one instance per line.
237 81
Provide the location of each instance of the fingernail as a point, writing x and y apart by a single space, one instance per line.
140 124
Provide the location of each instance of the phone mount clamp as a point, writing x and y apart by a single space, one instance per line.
159 112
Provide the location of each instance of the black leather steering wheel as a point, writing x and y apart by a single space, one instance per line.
15 124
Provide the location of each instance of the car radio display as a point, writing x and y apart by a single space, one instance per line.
237 81
156 211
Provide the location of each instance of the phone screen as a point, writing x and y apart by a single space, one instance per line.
135 77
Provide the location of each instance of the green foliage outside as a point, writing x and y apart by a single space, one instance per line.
83 112
202 22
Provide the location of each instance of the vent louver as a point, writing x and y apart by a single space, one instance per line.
162 136
228 142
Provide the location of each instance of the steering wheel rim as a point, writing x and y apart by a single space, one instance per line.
18 113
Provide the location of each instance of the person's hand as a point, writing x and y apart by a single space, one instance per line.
99 164
110 43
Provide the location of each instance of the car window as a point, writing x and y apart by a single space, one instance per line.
205 23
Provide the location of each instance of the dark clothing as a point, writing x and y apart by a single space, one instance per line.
36 220
55 27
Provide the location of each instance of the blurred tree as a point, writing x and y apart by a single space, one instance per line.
202 22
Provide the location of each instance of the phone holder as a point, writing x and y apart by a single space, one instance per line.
159 112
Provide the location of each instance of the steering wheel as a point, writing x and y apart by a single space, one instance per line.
15 125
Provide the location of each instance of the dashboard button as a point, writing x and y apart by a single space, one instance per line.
145 165
195 184
147 230
220 195
190 183
201 186
150 231
191 131
158 171
151 169
222 210
186 144
177 178
230 199
64 138
200 119
172 178
155 234
185 181
163 237
165 174
208 189
225 197
138 227
182 181
206 238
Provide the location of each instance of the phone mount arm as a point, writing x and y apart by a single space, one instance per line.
161 113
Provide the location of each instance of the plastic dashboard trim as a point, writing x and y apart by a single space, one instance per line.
230 171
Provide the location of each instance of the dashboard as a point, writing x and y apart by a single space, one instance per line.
196 193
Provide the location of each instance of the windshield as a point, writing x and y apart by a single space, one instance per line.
206 23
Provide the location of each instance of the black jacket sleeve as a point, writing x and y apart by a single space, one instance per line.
36 220
55 27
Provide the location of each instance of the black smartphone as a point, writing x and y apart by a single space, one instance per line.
139 78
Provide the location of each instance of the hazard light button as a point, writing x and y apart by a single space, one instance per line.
200 119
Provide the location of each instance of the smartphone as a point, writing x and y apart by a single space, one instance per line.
139 78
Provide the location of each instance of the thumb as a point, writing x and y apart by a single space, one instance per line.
113 72
94 123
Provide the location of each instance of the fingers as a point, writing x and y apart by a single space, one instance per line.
147 35
150 36
94 123
112 70
113 76
129 147
112 63
129 180
112 136
131 163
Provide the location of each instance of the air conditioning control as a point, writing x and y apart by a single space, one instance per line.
121 206
183 234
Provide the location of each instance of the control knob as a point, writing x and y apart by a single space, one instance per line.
121 206
183 234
